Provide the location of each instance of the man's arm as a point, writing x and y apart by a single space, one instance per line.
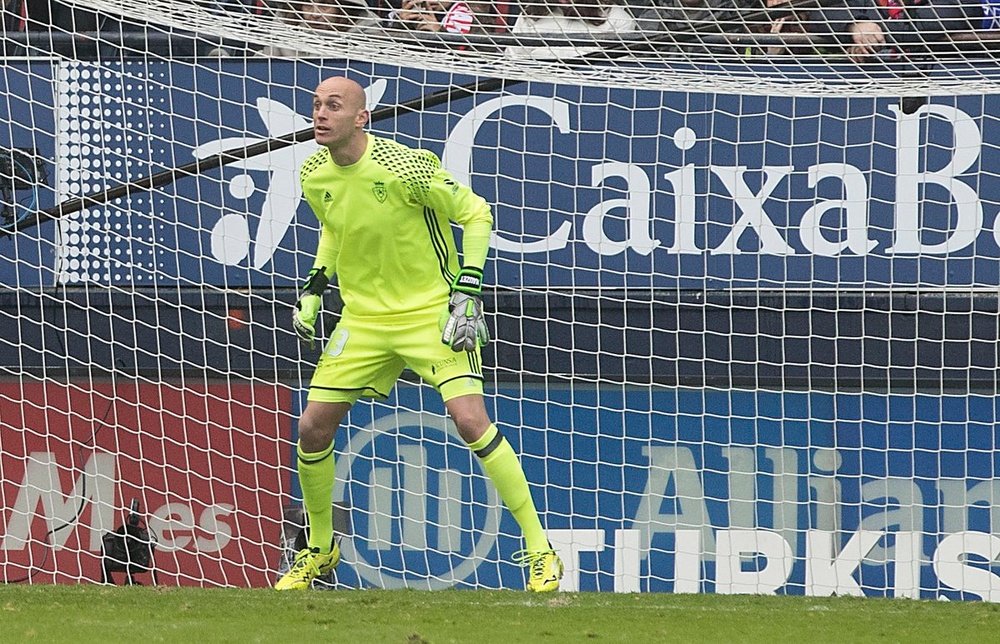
467 209
310 300
327 252
465 326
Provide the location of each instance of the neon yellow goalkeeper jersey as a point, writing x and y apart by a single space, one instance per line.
386 229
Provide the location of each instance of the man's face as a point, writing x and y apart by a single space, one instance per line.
337 114
325 16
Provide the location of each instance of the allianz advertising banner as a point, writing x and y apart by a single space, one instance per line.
591 187
685 490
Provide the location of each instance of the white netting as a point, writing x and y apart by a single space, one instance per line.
744 306
713 46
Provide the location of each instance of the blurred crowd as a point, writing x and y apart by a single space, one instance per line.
863 31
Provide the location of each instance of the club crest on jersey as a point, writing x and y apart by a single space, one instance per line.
379 191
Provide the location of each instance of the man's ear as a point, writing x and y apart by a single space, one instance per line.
363 117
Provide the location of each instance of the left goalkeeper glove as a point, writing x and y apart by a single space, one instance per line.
307 308
465 327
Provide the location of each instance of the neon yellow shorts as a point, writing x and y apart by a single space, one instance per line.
365 356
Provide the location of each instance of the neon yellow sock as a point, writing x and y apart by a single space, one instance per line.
501 465
316 475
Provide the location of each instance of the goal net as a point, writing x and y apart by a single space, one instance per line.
742 288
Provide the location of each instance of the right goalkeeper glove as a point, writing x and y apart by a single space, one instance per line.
463 325
308 306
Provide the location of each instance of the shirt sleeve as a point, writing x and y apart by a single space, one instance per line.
327 252
328 248
464 207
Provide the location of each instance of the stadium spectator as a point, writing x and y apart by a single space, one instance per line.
890 29
784 17
249 9
15 15
324 16
78 33
69 25
445 16
595 18
15 21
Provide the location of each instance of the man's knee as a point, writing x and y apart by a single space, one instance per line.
313 436
318 425
470 417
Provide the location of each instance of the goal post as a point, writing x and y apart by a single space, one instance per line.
744 308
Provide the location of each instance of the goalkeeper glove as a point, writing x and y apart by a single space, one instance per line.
307 308
465 327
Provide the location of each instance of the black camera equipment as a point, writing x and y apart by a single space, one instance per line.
128 549
21 170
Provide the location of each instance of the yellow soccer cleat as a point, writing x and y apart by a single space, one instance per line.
308 565
545 569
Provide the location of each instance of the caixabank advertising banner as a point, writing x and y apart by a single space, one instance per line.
591 187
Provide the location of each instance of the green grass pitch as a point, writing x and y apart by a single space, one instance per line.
103 614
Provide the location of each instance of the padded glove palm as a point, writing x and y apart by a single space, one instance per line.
465 326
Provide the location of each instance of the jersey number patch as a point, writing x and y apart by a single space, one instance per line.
337 341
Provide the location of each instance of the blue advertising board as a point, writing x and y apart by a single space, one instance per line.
684 490
591 187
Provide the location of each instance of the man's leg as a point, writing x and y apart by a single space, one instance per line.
502 466
458 377
317 427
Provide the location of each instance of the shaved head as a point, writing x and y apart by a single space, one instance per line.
348 90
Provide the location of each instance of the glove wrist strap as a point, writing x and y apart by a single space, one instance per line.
316 282
469 280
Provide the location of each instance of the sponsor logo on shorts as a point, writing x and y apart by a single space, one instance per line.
441 364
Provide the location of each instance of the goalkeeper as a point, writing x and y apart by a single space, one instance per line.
386 213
